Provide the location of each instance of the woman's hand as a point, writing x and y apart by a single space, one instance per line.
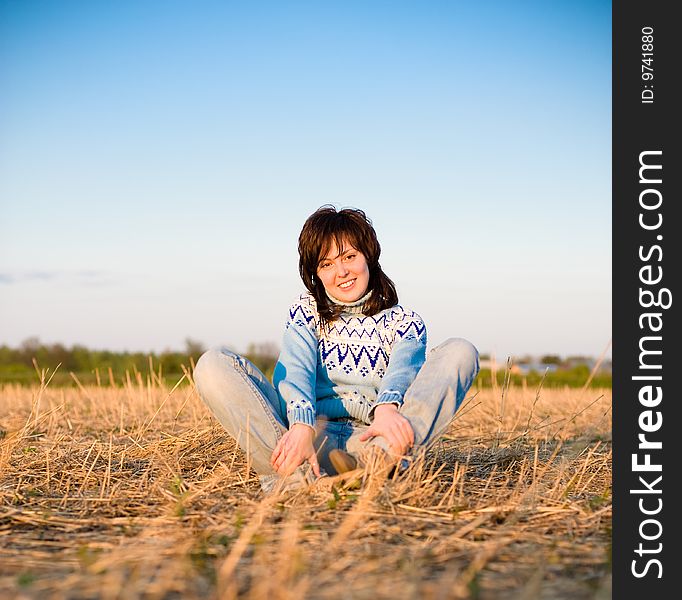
293 449
393 427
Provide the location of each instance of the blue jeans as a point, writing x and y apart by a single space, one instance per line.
250 409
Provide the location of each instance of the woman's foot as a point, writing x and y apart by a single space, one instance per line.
342 461
374 458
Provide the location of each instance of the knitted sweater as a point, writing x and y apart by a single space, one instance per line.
353 365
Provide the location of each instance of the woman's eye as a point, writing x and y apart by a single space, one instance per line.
350 256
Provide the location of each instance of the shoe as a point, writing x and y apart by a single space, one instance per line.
342 461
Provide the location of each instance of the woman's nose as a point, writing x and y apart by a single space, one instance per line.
341 269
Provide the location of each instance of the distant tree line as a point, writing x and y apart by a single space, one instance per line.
551 369
23 364
105 367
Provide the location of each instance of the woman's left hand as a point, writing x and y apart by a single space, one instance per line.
393 427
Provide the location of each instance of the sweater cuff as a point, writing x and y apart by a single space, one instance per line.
305 415
388 397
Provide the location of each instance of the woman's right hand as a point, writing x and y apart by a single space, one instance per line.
293 449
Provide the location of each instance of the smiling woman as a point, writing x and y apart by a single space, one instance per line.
339 262
352 379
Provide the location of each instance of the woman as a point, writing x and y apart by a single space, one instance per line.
352 376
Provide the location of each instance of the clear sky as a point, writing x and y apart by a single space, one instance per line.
158 159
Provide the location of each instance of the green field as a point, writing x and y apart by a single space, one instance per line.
117 369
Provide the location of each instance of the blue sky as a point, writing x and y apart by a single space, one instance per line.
158 159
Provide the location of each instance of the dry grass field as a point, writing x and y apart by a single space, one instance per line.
137 492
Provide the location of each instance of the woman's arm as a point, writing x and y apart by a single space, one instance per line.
294 378
295 372
408 353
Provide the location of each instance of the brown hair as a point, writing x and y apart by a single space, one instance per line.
325 225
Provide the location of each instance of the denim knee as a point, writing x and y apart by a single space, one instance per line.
460 352
211 363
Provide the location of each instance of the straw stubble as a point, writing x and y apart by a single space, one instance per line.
126 491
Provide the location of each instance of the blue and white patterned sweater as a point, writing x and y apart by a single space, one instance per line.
355 364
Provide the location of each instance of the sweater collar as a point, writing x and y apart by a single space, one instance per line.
353 308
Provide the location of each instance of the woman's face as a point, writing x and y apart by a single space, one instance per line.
344 273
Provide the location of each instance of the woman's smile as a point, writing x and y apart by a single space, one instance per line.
347 284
